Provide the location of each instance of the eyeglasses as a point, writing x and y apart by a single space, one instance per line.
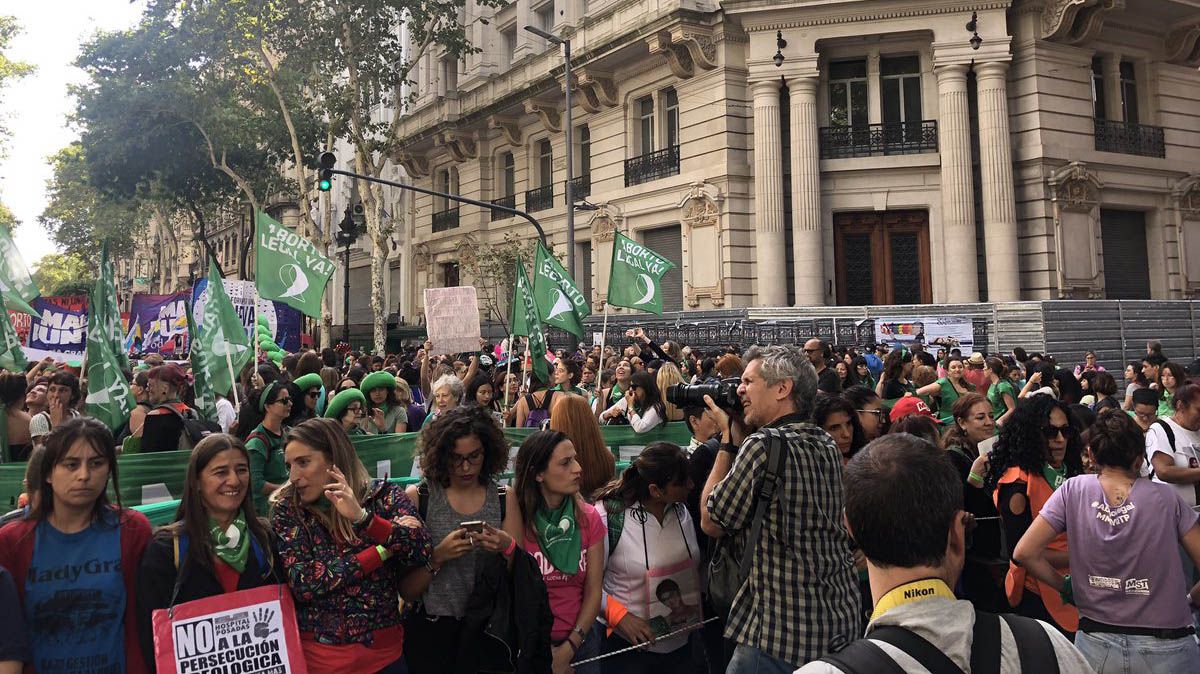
357 409
470 459
1050 432
878 413
814 350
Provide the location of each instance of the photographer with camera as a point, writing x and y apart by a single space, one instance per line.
800 599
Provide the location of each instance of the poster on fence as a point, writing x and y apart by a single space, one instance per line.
948 332
158 323
452 319
61 325
247 632
284 321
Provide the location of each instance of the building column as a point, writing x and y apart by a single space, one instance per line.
808 251
958 208
1111 65
770 255
999 196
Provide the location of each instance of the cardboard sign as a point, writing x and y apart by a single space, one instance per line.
452 319
244 632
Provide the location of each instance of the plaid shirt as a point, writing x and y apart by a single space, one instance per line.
801 599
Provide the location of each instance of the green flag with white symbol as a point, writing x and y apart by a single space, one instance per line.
220 335
559 302
287 267
202 373
12 356
16 285
526 322
635 280
109 397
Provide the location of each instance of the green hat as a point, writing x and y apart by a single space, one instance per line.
310 380
337 407
376 380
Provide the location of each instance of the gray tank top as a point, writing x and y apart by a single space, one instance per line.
451 588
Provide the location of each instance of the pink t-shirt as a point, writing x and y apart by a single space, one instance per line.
566 592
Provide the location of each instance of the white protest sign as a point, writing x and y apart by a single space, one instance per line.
452 319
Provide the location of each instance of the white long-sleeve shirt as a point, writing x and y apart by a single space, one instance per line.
640 422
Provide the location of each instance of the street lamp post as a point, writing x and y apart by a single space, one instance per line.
348 234
569 132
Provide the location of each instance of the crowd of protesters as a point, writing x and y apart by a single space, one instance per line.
939 504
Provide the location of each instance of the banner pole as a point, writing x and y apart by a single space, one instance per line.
603 341
232 377
525 362
508 370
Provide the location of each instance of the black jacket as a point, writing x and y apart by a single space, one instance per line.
508 620
158 574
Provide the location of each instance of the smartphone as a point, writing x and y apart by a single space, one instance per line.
474 526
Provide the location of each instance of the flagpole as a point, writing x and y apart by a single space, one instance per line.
508 371
237 403
525 362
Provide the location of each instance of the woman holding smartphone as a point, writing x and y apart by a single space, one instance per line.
463 453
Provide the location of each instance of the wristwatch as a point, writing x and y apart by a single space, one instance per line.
729 447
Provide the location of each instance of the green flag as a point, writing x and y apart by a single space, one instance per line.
202 372
109 398
16 285
528 324
287 267
560 304
104 304
219 333
12 356
635 280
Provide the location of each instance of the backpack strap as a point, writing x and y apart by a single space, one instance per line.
1170 433
1034 647
616 522
546 398
985 644
918 648
766 494
863 657
423 500
502 492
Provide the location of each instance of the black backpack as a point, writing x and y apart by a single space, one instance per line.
195 428
1034 649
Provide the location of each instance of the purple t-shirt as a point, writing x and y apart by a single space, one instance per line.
1124 566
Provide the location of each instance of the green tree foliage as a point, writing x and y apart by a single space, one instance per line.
80 218
10 70
492 269
64 274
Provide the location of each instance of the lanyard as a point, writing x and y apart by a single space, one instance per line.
912 592
640 514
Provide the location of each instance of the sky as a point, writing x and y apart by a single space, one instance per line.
37 106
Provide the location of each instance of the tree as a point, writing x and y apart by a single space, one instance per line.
63 274
493 273
10 70
80 218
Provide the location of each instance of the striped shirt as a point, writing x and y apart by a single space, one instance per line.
801 599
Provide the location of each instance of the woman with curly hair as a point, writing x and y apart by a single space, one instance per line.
897 368
463 453
838 417
1038 449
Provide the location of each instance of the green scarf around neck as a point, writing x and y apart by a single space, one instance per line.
231 545
1054 476
558 535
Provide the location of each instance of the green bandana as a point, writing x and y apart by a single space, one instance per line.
558 536
231 545
615 395
1054 476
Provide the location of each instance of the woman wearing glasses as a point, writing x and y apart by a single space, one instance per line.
1038 449
463 454
349 409
870 412
266 409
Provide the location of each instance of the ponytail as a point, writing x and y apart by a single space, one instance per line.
660 464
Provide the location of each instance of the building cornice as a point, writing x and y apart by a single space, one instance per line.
819 16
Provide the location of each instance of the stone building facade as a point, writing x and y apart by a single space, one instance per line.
840 152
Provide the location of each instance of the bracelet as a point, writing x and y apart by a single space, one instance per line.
363 518
512 547
431 569
974 478
581 633
383 553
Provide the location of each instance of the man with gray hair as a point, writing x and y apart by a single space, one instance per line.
800 599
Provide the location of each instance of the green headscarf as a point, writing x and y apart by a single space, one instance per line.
558 535
231 545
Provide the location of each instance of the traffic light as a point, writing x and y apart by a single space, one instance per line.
325 175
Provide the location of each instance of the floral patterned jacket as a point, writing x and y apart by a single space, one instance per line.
344 592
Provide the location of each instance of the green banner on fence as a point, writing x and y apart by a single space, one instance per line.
158 476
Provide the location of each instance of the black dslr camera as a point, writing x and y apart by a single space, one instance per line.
723 393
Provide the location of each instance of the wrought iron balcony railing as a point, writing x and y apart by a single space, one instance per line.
1139 139
509 201
444 220
581 187
539 198
652 166
866 140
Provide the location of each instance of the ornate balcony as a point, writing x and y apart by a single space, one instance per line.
652 166
539 199
868 140
1139 139
581 187
509 201
444 220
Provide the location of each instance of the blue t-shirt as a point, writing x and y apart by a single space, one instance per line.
75 600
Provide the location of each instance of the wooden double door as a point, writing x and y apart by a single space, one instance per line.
882 257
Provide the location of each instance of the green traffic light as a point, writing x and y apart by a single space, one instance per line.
325 185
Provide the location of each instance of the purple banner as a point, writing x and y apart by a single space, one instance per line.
61 326
158 323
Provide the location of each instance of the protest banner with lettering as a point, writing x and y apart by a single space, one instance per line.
61 325
949 332
288 267
284 320
452 319
635 279
244 632
161 321
21 322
